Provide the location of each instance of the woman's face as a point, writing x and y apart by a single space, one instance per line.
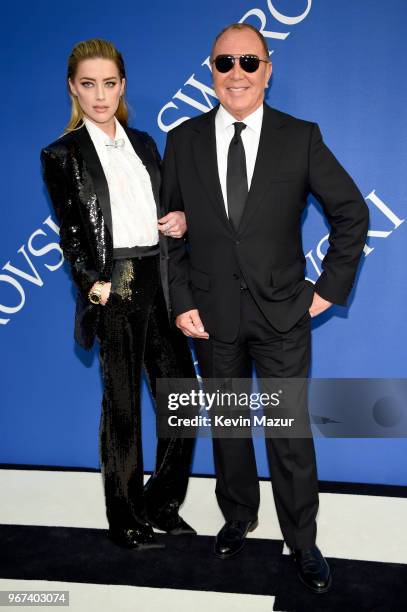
98 87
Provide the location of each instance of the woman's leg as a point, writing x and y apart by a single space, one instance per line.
122 335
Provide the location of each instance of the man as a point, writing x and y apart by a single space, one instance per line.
242 173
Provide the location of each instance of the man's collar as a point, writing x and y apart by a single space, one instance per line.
254 121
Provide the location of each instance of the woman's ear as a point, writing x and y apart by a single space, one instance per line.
72 88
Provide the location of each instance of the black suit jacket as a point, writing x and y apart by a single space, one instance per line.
79 193
292 162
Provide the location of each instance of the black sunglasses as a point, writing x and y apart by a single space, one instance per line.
248 63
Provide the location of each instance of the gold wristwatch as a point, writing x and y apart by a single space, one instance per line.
95 293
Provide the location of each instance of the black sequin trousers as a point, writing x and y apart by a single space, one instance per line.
134 332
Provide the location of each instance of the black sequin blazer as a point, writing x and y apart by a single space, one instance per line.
79 193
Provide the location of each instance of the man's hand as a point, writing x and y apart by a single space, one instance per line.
173 224
191 325
318 305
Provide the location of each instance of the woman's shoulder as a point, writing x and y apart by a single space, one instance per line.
144 136
145 139
60 147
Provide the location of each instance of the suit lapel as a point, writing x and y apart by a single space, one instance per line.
268 159
94 167
205 157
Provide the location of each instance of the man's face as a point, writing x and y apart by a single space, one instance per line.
240 92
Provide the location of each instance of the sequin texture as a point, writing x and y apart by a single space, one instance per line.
134 332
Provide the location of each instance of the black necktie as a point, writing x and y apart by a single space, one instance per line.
236 177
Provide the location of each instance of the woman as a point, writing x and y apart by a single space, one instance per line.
103 179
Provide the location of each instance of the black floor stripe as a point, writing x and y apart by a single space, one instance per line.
360 488
358 586
88 556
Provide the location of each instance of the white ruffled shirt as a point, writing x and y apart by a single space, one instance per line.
134 211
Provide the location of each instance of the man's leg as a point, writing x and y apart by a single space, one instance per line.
237 486
292 460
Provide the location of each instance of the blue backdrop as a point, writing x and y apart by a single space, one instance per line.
340 63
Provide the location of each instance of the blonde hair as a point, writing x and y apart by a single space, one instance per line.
242 26
92 49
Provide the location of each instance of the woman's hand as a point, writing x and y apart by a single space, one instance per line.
173 224
105 292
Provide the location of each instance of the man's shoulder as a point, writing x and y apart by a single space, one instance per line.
274 116
279 117
195 124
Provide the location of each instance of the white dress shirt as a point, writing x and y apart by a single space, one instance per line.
134 211
224 130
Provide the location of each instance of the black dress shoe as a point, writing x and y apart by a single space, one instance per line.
230 539
140 537
313 570
170 521
172 524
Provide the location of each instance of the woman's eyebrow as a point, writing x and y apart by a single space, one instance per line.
91 79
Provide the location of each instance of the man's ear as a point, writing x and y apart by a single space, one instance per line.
269 73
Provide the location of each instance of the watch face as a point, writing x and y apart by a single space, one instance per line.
94 298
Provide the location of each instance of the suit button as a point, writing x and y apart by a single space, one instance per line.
237 241
236 276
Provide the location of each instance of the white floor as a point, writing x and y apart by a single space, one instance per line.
349 526
113 598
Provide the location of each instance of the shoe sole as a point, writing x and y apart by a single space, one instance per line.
136 547
140 547
227 556
176 532
315 590
173 531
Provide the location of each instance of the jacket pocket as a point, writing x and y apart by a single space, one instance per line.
288 275
200 280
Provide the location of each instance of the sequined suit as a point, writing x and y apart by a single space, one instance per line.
133 328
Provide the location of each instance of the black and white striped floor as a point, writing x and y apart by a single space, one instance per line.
52 536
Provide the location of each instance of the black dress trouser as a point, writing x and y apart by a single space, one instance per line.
134 331
291 460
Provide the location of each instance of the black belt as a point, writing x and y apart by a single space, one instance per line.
136 251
